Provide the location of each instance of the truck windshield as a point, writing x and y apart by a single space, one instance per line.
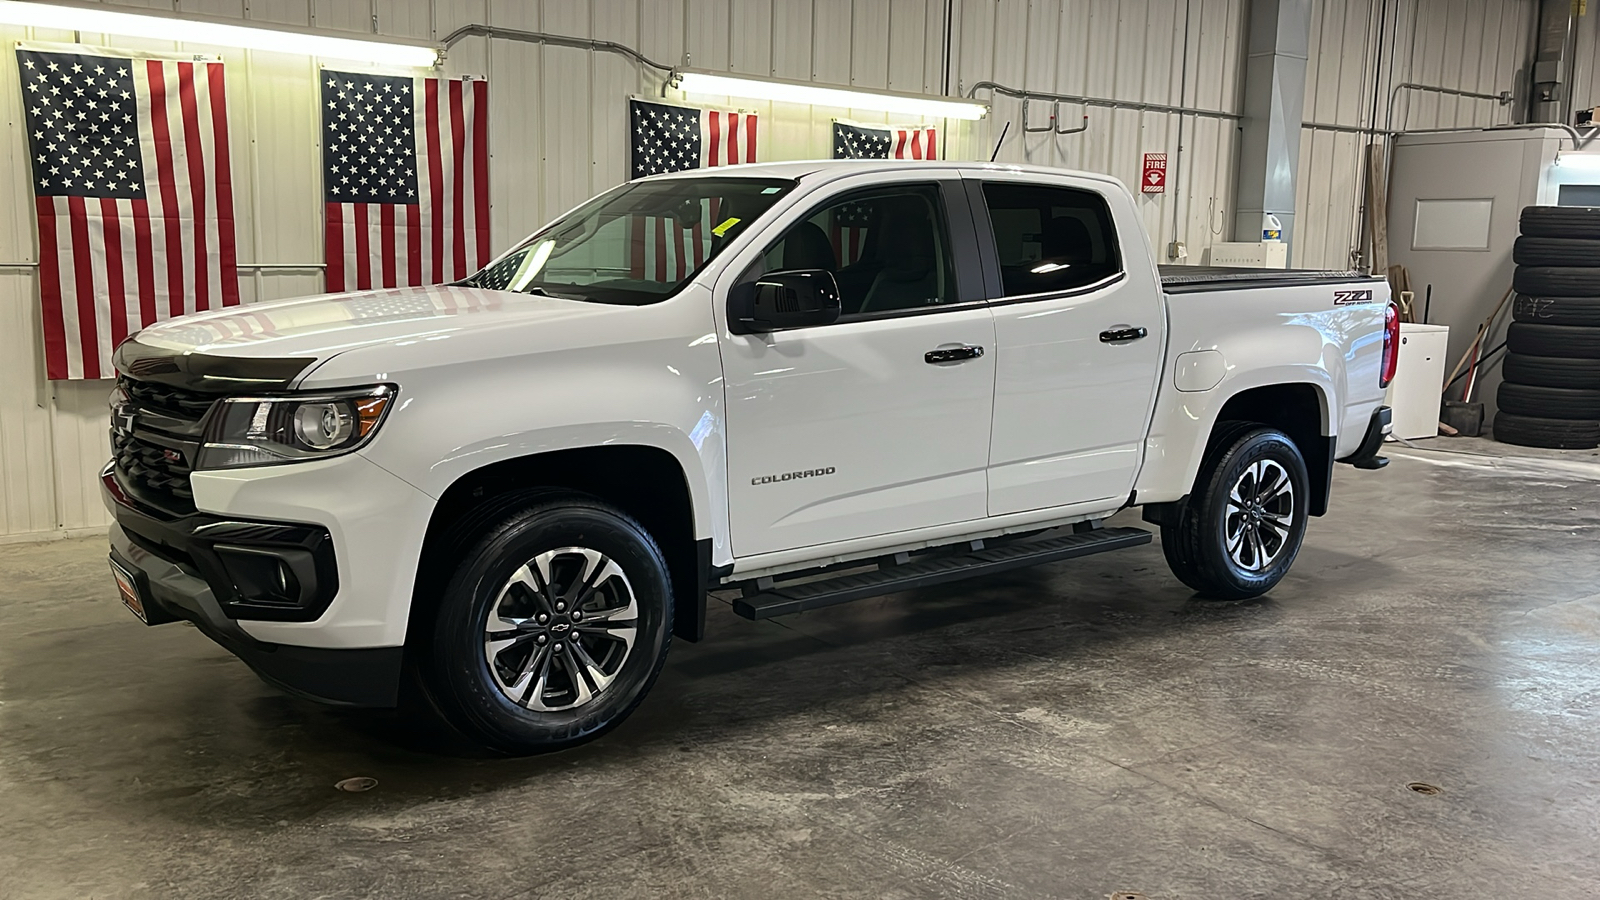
635 244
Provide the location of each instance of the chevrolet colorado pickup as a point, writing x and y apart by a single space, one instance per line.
802 383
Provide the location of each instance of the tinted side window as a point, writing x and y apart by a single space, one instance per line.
1051 238
888 248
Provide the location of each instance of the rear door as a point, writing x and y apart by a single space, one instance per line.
1079 335
878 423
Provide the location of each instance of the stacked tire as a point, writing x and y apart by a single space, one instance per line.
1550 396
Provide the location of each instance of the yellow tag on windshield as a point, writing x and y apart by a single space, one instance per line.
722 229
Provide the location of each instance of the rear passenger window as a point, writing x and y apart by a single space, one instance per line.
1050 238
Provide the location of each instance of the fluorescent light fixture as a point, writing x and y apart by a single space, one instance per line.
692 81
101 20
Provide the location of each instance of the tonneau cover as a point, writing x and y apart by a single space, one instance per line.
1187 279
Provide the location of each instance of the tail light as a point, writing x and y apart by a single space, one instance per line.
1391 344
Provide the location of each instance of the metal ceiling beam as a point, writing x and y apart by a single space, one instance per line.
1274 101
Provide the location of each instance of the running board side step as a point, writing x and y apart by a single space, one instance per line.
779 600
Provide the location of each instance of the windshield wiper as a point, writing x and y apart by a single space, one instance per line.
535 289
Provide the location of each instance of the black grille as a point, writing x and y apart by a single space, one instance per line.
150 468
154 439
172 401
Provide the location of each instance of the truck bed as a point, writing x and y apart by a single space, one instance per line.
1194 279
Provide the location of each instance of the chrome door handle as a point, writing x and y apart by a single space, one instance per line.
1121 334
952 354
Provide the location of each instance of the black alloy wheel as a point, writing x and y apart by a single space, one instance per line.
552 628
1238 533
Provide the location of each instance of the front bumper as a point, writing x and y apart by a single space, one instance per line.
203 569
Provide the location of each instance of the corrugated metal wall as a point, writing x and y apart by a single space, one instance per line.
558 131
1481 46
1132 52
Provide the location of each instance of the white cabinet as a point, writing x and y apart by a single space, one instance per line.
1414 393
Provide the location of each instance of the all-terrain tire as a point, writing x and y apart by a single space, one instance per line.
1548 402
1583 311
1558 281
1561 221
1552 371
1569 341
1207 539
578 599
1556 251
1556 434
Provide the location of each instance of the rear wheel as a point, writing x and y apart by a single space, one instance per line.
552 628
1237 535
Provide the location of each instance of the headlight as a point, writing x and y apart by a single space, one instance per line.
261 431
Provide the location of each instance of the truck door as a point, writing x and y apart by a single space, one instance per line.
879 422
1079 335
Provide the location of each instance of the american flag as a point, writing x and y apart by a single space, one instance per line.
405 172
848 231
669 138
885 141
133 194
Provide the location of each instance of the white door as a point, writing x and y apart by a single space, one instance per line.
853 429
1078 345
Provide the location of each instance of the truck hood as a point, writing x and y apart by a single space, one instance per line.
316 329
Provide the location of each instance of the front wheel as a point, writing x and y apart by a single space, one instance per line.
1237 535
552 628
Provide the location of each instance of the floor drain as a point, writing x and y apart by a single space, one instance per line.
357 785
1129 895
1424 788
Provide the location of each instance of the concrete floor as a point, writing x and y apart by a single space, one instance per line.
1070 731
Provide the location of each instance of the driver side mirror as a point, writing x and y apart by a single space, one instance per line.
798 298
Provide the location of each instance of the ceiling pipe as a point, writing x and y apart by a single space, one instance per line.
553 40
1102 102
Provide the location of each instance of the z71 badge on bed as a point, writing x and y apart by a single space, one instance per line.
1350 298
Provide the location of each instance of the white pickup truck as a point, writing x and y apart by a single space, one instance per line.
802 383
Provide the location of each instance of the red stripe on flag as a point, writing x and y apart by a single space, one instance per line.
933 143
333 238
916 144
714 158
195 157
430 119
116 291
458 216
900 144
172 225
698 239
750 138
224 182
677 249
55 326
146 261
636 249
480 167
733 139
386 237
413 244
661 248
83 266
363 249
